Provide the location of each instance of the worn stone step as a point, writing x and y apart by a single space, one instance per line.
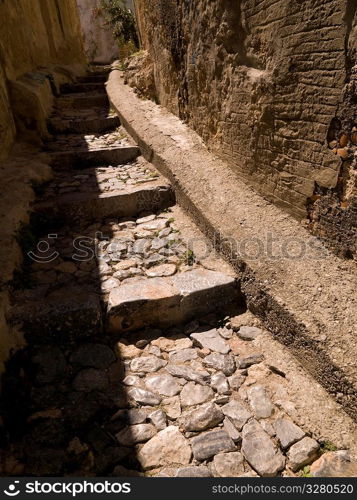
82 158
93 78
74 88
169 301
82 101
126 202
58 126
71 312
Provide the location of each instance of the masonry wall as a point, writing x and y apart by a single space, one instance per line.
261 82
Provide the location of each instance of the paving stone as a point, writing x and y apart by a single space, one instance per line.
237 413
220 384
161 270
91 379
211 443
211 340
127 351
249 332
134 434
228 464
93 355
195 394
163 384
231 430
334 464
158 418
235 381
141 246
144 397
132 416
194 471
287 432
221 362
260 451
260 402
302 453
168 447
172 407
182 355
205 417
188 373
147 364
248 361
50 364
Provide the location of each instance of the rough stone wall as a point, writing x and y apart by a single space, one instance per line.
99 43
261 82
40 48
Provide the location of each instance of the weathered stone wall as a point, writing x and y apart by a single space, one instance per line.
40 48
261 82
99 42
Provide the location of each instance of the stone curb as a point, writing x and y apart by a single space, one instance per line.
308 303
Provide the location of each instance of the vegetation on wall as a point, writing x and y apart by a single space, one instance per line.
121 20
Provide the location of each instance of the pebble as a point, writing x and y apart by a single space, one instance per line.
206 445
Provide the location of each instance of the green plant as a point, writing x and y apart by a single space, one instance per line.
305 472
121 20
327 446
189 257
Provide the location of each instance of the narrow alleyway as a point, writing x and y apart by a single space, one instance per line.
141 356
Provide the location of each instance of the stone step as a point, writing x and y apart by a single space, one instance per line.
82 101
82 158
126 202
93 78
74 88
59 126
169 301
69 313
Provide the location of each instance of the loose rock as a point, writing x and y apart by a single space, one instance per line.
147 364
144 397
194 471
260 402
134 434
228 464
237 413
195 394
221 362
163 384
212 340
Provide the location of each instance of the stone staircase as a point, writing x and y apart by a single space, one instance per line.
105 195
138 336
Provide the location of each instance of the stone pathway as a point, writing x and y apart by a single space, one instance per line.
141 359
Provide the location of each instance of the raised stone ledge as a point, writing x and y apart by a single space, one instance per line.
308 302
